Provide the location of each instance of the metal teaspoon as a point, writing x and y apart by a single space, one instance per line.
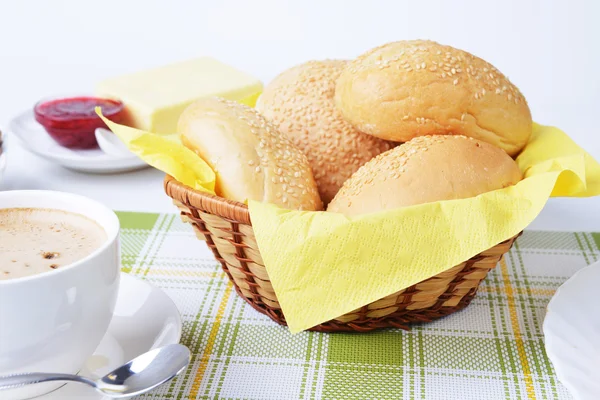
138 376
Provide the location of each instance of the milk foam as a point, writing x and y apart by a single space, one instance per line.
37 240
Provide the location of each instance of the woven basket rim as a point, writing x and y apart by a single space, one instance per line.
231 210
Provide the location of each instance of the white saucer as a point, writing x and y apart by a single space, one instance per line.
34 138
572 333
145 318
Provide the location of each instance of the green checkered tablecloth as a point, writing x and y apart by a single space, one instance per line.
494 349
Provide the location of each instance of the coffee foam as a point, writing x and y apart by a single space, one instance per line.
37 240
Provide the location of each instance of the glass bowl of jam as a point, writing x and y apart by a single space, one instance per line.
72 121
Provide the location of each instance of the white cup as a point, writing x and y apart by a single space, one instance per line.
53 321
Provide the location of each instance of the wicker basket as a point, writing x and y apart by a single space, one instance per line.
227 229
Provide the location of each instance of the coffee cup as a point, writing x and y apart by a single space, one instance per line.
54 320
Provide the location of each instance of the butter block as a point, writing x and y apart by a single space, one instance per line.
155 98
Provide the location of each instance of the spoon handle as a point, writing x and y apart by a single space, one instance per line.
18 380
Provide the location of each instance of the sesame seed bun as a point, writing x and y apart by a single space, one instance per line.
300 103
423 170
251 158
406 89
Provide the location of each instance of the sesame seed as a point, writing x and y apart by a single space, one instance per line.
257 169
250 162
455 81
453 71
423 65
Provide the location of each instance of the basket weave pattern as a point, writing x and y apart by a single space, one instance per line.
226 227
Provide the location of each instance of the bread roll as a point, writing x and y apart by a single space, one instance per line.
251 158
300 103
426 169
415 88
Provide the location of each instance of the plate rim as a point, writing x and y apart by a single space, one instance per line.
549 342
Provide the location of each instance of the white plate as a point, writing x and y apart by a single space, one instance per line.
572 333
34 138
145 318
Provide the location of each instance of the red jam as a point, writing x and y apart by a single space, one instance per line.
72 121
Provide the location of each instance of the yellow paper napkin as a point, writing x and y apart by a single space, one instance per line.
166 153
323 265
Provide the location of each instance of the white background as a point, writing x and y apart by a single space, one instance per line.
550 49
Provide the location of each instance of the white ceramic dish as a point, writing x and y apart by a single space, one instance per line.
34 138
145 318
572 333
